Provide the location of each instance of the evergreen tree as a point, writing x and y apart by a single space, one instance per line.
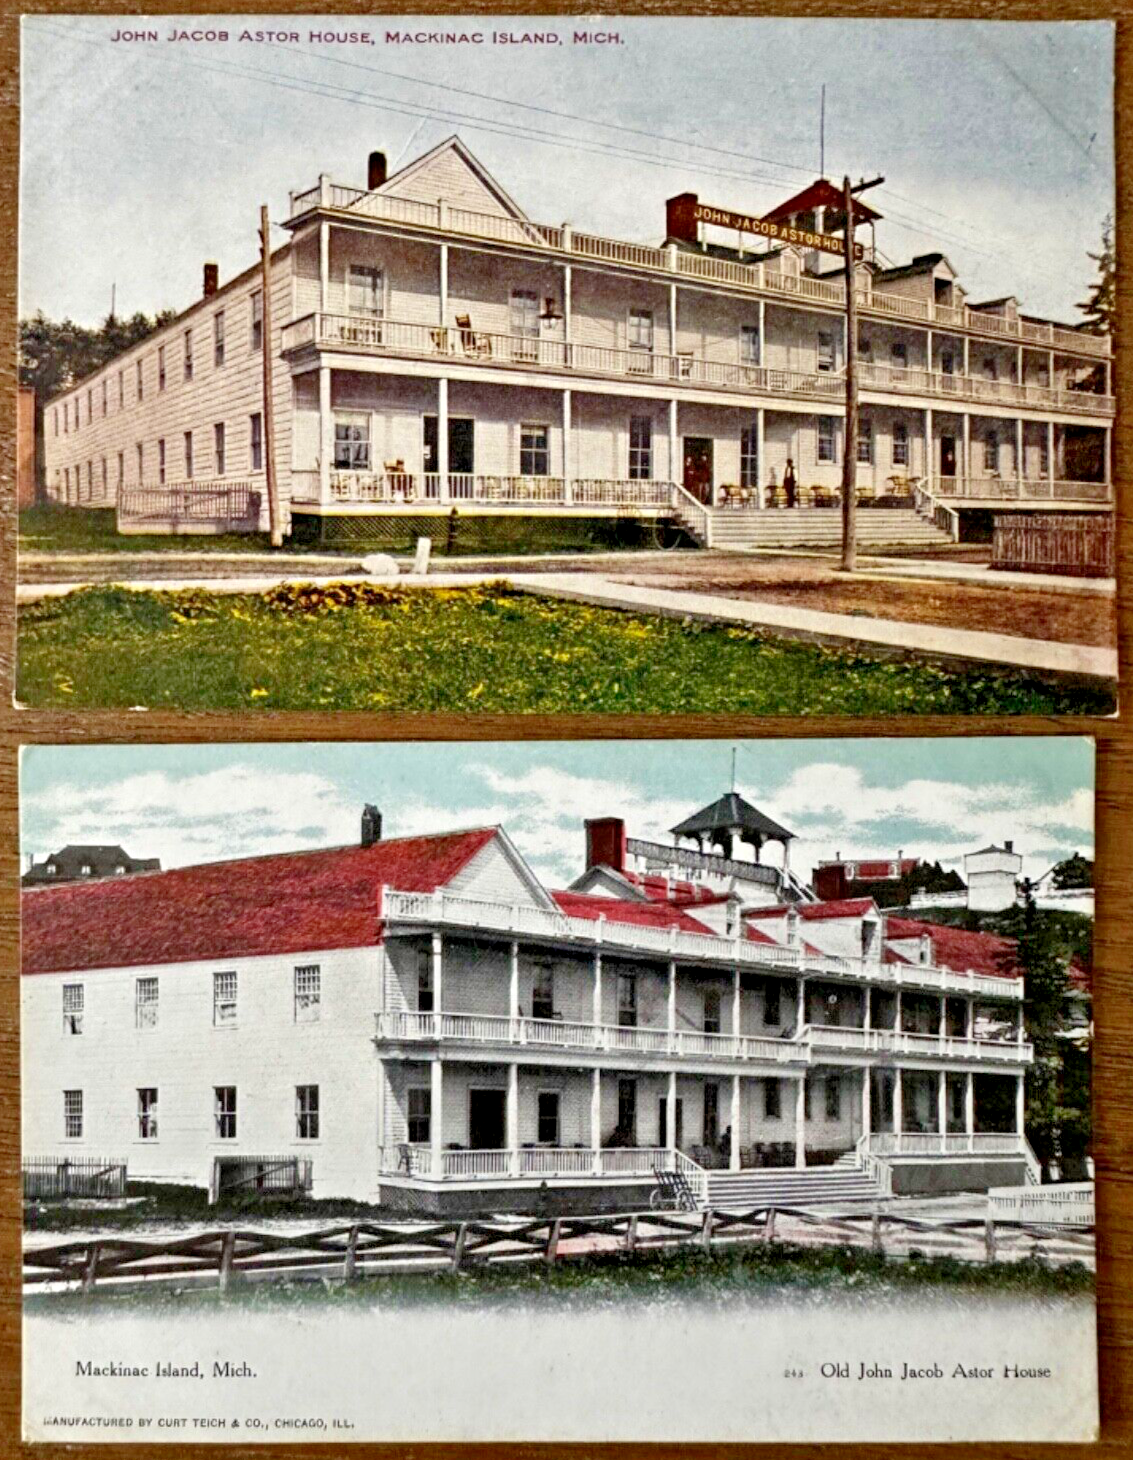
1100 308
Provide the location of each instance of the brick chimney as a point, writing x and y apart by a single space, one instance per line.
376 170
211 280
371 825
606 843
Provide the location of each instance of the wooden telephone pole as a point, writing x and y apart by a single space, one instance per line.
274 514
850 442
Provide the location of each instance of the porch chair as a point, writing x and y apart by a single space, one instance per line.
471 342
672 1192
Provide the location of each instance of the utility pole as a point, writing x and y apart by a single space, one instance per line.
274 515
850 435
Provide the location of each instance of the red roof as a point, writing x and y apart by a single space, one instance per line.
665 889
821 194
960 949
288 903
878 870
615 910
846 907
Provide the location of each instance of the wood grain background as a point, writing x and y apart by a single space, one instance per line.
1113 986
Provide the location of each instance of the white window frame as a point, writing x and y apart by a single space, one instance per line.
749 456
356 450
425 1097
523 320
72 1115
557 1097
900 444
425 985
827 429
865 441
225 998
749 337
639 464
307 1113
308 993
147 1112
533 453
224 1112
641 334
74 1008
147 994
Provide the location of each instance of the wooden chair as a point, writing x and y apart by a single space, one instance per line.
672 1192
471 342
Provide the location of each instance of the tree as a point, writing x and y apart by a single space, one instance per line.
1075 871
1100 308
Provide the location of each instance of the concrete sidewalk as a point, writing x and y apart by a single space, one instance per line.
1036 655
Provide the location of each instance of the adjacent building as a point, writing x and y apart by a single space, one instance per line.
435 349
428 1023
85 863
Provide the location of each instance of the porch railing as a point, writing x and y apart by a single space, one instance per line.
531 1161
953 1143
756 276
405 489
916 381
907 1041
1015 489
946 518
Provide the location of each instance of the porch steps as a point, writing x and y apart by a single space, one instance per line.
820 1186
737 529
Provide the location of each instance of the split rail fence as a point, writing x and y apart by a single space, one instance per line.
364 1248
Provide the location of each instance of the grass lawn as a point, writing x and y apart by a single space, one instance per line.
49 529
166 1204
368 647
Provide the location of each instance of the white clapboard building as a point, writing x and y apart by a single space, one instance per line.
422 1019
435 349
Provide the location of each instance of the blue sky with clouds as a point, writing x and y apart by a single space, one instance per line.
932 797
140 161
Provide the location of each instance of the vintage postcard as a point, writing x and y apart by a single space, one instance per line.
589 1091
528 365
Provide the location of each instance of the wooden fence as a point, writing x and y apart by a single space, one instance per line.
190 508
1080 546
270 1176
349 1251
49 1178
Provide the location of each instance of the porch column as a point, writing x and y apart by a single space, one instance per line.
898 1104
568 276
897 1014
967 447
673 321
734 1136
928 350
1019 365
674 465
928 453
1020 1027
759 431
511 1119
1108 460
1020 1103
326 434
867 1097
568 450
438 971
1050 370
967 356
737 1033
442 285
867 1008
596 1118
1019 471
801 1012
597 1004
672 1006
970 1020
800 1122
442 438
943 1027
513 989
942 1108
324 267
970 1109
436 1116
671 1113
1050 454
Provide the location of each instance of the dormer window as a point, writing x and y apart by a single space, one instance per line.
86 869
52 869
926 949
118 871
869 938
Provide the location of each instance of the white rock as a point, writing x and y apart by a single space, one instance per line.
381 565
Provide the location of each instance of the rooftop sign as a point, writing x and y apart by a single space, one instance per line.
686 211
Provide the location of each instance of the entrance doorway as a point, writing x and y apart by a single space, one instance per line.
663 1122
486 1122
948 456
460 444
698 467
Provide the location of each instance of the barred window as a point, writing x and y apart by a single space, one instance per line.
145 1003
72 1114
307 1112
72 1008
308 993
147 1114
419 1116
224 998
224 1111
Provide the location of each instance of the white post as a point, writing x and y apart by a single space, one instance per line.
1020 1104
800 1122
511 1119
1019 471
737 1032
673 320
867 1008
1019 365
967 359
672 1006
942 1108
759 431
442 438
800 1019
898 1104
324 267
943 1027
596 1117
970 1109
438 970
326 434
568 289
436 1116
929 463
970 1021
597 1005
897 1015
967 447
1050 455
1050 371
1020 1027
513 989
674 472
928 350
568 451
867 1093
734 1142
442 286
671 1116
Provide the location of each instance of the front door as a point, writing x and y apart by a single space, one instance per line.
486 1128
948 456
698 467
460 450
663 1122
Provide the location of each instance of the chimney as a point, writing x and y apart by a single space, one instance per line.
1008 846
376 170
371 825
211 281
606 843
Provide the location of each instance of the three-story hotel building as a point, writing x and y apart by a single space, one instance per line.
426 1023
434 349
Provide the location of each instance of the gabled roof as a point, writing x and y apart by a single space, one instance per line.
958 948
289 903
820 194
643 914
727 813
984 851
470 160
921 263
813 912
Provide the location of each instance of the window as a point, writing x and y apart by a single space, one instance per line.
161 367
140 382
900 444
90 480
145 1003
991 452
991 370
307 1112
547 1128
425 1001
419 1116
147 1114
218 448
104 395
141 455
711 1114
104 478
627 1110
524 321
956 1102
188 456
947 363
750 345
161 460
833 1098
256 441
543 992
72 1115
257 341
627 1000
640 331
72 1008
771 1003
640 448
806 1099
365 290
224 1111
534 451
224 998
308 993
218 337
772 1107
865 442
188 366
712 1011
121 467
749 457
121 389
826 438
825 350
352 443
899 353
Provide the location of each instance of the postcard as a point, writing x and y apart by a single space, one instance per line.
559 1091
527 365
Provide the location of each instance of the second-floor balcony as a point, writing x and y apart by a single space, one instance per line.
362 335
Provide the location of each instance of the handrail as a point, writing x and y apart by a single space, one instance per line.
694 515
940 514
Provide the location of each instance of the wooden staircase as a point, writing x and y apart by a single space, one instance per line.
747 529
840 1185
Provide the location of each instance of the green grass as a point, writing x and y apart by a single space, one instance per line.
485 648
169 1205
50 529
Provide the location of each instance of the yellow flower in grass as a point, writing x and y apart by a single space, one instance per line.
259 693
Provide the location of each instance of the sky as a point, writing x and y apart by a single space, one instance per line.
140 160
936 798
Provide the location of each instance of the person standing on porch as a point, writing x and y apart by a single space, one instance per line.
790 483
